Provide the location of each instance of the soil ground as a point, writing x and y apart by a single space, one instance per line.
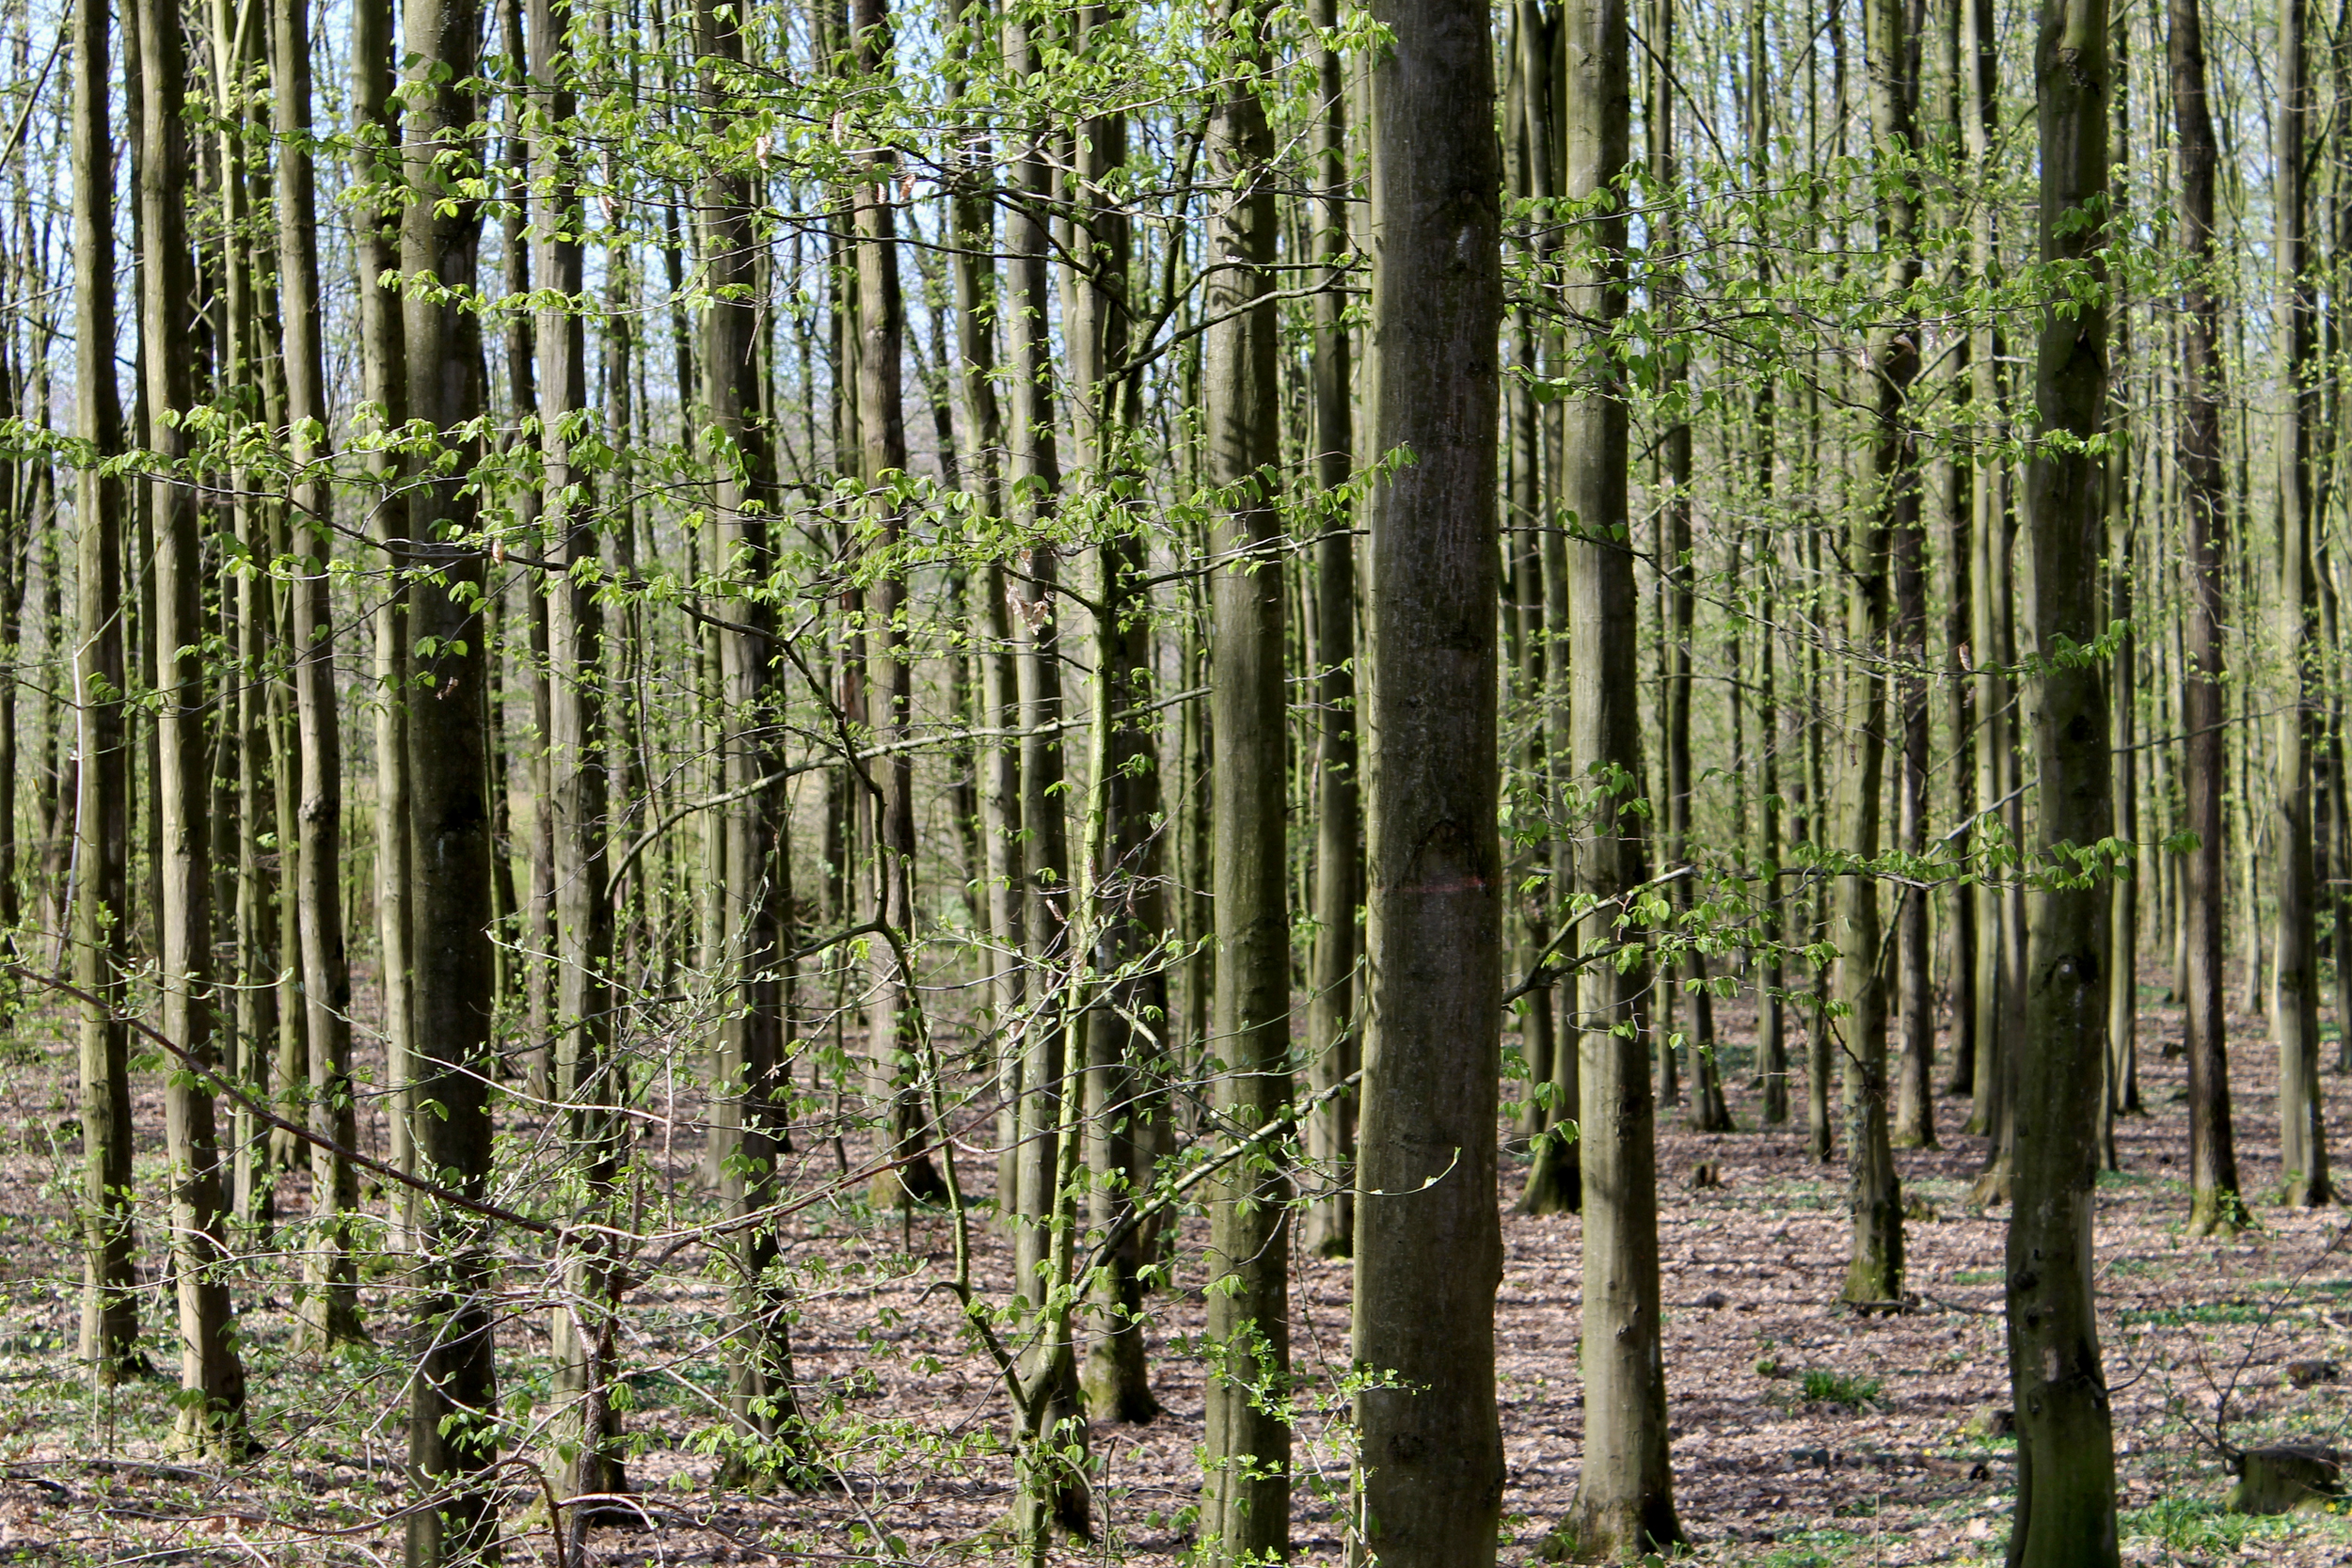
1803 1435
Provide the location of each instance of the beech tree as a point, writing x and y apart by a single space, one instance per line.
1428 1252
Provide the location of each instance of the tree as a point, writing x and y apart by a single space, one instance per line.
755 859
1332 1031
588 1085
1890 509
2065 1456
1625 1494
102 806
331 1276
1247 1450
455 1385
2214 1205
1428 1247
2295 980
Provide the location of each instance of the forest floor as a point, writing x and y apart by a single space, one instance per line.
1803 1435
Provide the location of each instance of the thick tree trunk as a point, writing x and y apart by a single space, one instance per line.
1427 1264
2065 1516
2214 1205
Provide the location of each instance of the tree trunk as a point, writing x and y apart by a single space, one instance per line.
587 1082
383 359
1890 509
769 1436
2214 1205
330 1275
1427 1264
2295 990
102 807
454 1349
2065 1513
1125 916
1956 559
1625 1496
1333 1040
1246 1501
210 1421
1980 53
982 440
881 424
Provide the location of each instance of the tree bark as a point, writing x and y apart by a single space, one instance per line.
330 1274
2065 1460
1334 1040
881 425
2214 1205
757 859
454 1349
376 170
1874 1270
210 1421
1427 1264
2294 977
1246 1501
1623 1503
102 807
587 1082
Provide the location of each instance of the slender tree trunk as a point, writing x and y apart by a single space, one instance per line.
756 854
2065 1514
330 1275
1122 863
1051 1490
1555 1173
448 738
2214 1205
1772 1046
587 1085
1333 1040
881 423
1427 1264
2295 988
210 1411
1245 1504
1890 509
1980 60
1955 559
982 455
383 361
102 807
1625 1496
